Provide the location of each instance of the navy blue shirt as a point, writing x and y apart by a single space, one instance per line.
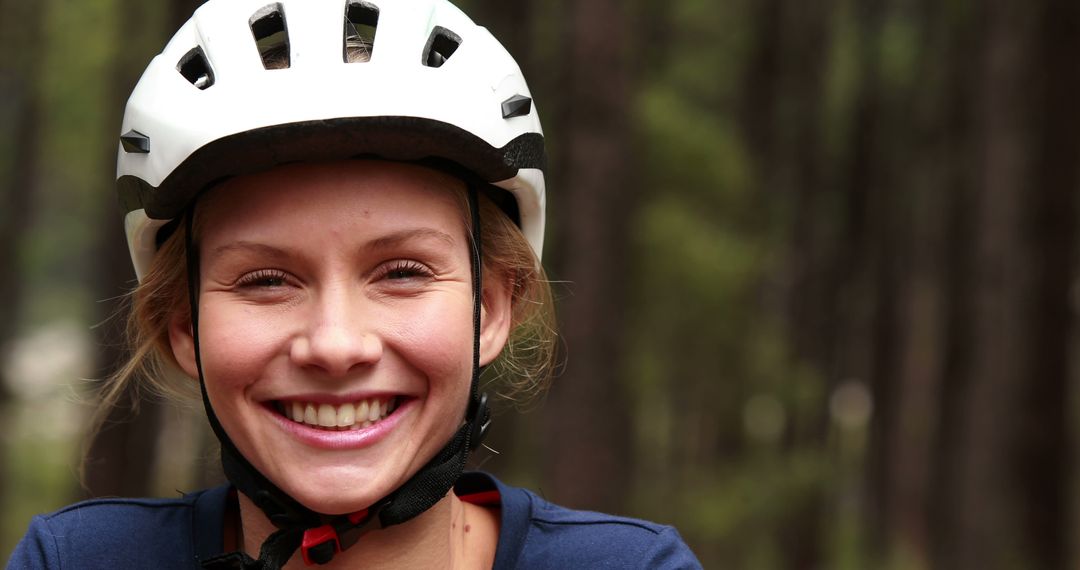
178 533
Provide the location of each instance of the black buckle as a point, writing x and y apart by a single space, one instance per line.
349 528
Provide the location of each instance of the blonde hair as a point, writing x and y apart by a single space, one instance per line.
521 372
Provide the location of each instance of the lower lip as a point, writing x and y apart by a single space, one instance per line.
345 439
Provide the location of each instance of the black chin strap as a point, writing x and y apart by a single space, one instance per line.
320 537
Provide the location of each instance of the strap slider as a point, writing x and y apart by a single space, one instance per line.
480 421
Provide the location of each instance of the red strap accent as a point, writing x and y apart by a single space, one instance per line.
358 517
314 537
483 498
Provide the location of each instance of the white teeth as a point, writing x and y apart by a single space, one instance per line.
350 415
327 416
346 415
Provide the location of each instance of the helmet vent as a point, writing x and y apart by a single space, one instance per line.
271 36
361 19
440 46
194 67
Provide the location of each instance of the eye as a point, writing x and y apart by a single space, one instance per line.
263 278
406 269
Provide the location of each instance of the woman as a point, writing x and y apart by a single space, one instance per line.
335 209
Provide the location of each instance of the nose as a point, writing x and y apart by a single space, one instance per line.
336 338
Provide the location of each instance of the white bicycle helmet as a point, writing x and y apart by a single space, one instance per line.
436 85
212 105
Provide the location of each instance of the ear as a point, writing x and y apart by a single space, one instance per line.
183 344
495 316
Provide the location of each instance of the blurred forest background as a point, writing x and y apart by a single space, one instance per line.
816 265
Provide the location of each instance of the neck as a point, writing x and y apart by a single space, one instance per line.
444 536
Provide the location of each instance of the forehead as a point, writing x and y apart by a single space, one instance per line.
352 195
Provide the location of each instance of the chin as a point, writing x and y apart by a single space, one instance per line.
338 505
340 494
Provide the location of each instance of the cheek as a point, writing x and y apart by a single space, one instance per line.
237 345
435 338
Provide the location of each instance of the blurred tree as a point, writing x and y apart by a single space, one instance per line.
781 105
587 443
960 43
981 527
121 457
20 143
1045 456
20 80
1006 480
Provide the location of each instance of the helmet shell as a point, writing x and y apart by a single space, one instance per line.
239 117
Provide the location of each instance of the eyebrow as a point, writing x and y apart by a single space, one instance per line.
383 242
399 237
250 246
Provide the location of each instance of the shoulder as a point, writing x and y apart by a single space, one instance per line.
116 533
561 537
536 533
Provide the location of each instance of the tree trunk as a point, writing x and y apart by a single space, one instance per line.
813 255
1045 448
20 38
961 199
121 458
925 170
588 437
986 374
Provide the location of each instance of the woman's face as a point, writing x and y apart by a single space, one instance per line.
335 324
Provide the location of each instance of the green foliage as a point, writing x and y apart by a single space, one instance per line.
899 50
75 180
700 157
841 83
691 256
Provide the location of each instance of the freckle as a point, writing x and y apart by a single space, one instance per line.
467 528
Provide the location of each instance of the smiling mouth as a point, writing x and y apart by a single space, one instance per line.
342 417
